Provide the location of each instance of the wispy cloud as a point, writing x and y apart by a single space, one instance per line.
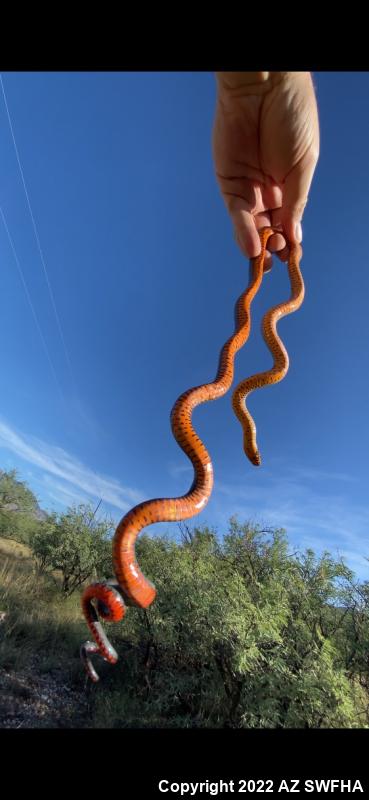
315 507
311 473
179 469
62 493
56 461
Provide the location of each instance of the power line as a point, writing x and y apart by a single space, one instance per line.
25 287
36 234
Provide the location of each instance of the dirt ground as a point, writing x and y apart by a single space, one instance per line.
31 699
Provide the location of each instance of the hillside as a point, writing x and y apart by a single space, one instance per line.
243 632
41 681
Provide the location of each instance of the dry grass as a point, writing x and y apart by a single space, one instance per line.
14 549
34 619
41 632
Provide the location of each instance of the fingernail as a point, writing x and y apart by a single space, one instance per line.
298 232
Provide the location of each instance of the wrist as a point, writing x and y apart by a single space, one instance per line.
236 80
234 85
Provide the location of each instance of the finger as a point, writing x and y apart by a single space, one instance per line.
268 261
281 248
277 242
272 194
295 196
245 229
263 220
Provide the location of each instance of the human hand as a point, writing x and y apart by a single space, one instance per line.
265 148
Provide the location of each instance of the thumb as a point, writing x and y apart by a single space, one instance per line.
295 196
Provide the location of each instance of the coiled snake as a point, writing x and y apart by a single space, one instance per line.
132 588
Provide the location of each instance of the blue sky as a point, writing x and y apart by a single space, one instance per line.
144 271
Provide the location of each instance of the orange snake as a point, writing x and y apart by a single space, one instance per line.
132 586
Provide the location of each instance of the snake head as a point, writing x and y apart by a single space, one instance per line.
255 459
252 453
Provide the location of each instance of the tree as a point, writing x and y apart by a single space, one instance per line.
74 543
18 508
15 494
43 542
239 634
352 637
